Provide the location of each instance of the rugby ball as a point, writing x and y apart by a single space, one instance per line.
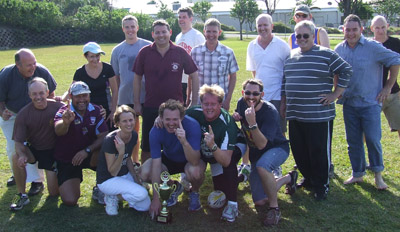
216 199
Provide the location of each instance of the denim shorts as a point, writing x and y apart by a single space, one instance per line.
270 160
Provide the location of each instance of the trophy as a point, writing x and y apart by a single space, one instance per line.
164 193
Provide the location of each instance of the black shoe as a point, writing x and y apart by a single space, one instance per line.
19 202
291 187
304 183
10 181
36 188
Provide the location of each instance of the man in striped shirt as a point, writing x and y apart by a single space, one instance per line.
310 107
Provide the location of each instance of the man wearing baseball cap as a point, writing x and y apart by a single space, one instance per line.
80 129
302 12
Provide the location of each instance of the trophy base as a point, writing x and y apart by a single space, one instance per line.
164 219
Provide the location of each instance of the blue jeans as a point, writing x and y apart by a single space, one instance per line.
270 160
358 121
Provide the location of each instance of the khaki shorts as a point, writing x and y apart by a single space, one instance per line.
391 108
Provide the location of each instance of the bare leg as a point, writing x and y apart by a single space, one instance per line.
269 185
135 152
70 191
19 175
52 183
380 184
195 175
145 156
282 181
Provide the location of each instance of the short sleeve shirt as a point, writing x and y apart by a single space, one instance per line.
169 143
224 128
14 87
108 146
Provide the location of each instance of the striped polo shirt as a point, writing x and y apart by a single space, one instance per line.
307 76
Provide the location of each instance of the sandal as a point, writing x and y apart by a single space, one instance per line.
291 187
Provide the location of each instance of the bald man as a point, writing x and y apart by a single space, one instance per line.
391 105
14 96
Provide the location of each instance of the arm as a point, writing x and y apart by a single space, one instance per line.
189 91
118 80
221 156
253 73
231 88
20 150
192 156
323 38
155 205
114 96
114 161
259 139
137 83
393 72
82 154
4 113
195 88
331 97
62 126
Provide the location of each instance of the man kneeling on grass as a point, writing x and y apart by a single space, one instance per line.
80 129
268 148
35 140
174 147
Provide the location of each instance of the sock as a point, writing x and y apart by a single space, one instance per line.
232 203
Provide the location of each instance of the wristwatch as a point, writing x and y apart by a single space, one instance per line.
253 127
88 150
214 147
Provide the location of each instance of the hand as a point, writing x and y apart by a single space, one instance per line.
250 114
22 160
79 157
6 115
209 137
236 116
383 95
138 109
119 144
103 112
155 208
226 105
68 115
158 122
181 133
327 98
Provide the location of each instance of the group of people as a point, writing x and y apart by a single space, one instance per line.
183 93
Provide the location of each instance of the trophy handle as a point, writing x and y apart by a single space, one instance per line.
173 187
157 188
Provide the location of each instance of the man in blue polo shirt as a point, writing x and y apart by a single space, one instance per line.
174 147
80 129
13 97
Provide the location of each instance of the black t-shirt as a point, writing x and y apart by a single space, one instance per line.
109 147
394 45
98 86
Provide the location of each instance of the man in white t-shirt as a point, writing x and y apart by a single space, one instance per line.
122 59
188 39
266 57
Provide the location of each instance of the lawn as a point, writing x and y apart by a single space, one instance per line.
348 208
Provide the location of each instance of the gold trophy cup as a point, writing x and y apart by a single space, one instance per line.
164 193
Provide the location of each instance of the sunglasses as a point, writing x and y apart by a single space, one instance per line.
304 16
255 94
305 36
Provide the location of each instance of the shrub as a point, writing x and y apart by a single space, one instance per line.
332 30
227 28
280 27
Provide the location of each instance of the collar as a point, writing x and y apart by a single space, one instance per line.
217 49
89 108
360 41
171 46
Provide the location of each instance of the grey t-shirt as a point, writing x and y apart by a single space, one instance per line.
122 59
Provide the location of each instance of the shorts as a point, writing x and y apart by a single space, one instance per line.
282 121
149 115
270 160
391 108
44 158
172 166
66 171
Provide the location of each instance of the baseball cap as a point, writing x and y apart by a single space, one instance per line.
79 87
93 48
302 9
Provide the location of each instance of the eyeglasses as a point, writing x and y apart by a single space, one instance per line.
255 94
305 36
304 16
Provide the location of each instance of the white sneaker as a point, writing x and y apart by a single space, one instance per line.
111 204
230 213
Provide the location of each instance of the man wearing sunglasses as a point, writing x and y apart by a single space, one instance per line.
310 107
301 13
362 100
268 148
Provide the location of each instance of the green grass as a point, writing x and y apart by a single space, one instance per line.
348 208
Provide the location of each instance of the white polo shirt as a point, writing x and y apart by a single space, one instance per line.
268 64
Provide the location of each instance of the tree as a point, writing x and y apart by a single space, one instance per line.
389 9
348 6
239 11
271 5
309 3
252 12
364 11
164 12
201 9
